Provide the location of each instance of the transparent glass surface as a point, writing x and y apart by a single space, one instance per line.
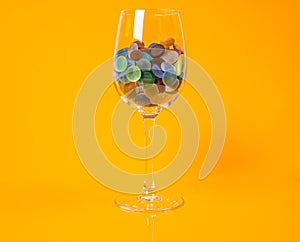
149 72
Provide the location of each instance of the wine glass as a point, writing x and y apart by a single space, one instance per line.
149 72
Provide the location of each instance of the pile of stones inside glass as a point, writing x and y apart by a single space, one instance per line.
150 75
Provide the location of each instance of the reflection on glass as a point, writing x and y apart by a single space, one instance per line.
149 73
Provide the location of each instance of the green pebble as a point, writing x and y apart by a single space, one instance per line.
179 65
145 83
133 73
148 75
169 78
120 63
144 64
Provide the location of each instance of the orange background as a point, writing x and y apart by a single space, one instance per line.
249 48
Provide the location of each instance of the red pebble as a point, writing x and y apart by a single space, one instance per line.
177 49
140 44
160 85
145 50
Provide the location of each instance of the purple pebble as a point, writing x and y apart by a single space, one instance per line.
157 71
152 45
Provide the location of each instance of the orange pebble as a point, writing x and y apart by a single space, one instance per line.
167 42
127 87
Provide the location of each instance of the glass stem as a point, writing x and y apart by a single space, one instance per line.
149 125
150 225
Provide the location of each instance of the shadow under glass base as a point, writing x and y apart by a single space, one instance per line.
148 203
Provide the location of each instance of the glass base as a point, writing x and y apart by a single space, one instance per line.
148 203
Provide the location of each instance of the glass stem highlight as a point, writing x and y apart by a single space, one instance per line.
149 183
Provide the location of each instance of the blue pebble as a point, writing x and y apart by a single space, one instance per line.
130 62
146 56
122 52
152 45
157 71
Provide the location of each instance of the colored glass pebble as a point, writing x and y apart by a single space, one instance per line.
146 56
128 87
150 75
157 71
157 51
140 44
133 74
145 50
169 78
156 61
133 46
165 66
142 100
152 45
130 62
179 65
136 55
132 95
172 88
151 90
144 65
180 77
120 64
146 79
167 42
170 56
177 49
121 52
121 77
160 84
144 84
161 98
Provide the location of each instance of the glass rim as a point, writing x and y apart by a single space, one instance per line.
154 11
